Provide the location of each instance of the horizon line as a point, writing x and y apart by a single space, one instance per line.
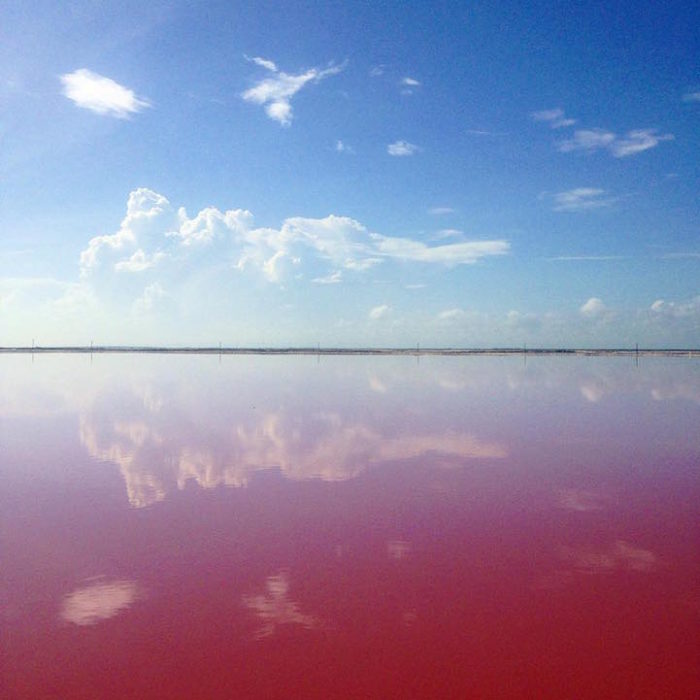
318 350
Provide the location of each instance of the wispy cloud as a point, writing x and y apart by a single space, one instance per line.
439 211
409 85
582 199
484 132
451 315
376 71
332 278
101 95
401 148
448 233
554 117
342 147
587 140
587 257
379 312
637 141
591 140
692 96
276 92
681 256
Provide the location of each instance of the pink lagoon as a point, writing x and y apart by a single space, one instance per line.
349 527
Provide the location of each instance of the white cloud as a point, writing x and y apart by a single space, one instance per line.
692 96
450 254
264 63
410 82
275 92
677 309
150 297
379 312
450 315
581 199
342 147
376 71
401 148
439 211
333 278
587 140
593 308
101 95
554 117
139 261
158 243
573 258
448 233
637 141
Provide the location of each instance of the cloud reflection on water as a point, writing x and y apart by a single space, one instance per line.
98 601
274 608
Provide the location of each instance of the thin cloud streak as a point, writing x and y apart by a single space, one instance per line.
592 140
582 199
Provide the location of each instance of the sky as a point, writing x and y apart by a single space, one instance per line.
449 174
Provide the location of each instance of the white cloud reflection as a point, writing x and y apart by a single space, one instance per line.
620 556
98 601
274 608
325 446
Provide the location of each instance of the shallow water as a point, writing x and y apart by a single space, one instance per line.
281 527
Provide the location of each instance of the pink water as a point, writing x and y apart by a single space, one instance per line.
261 527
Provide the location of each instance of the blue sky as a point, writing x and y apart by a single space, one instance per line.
469 174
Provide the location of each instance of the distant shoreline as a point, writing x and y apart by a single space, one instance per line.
221 350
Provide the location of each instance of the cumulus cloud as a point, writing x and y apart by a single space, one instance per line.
401 148
554 117
635 141
676 309
275 93
581 199
156 238
101 95
593 308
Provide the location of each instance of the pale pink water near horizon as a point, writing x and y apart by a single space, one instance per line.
375 527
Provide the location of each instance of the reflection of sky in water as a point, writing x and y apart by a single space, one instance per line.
98 601
443 517
274 608
165 421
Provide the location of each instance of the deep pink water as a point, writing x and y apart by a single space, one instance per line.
262 527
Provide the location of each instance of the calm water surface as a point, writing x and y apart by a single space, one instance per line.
294 527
